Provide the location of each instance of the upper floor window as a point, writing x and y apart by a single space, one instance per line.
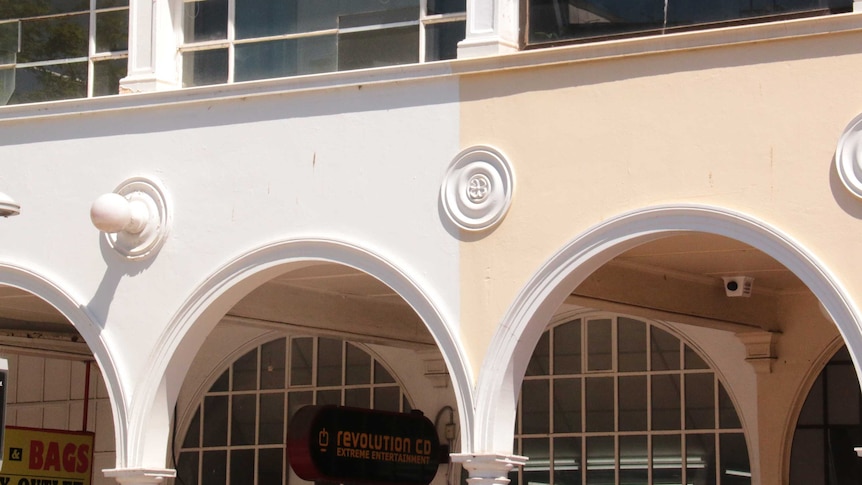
53 50
241 40
572 20
613 400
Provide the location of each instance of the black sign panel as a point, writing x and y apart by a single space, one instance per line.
352 445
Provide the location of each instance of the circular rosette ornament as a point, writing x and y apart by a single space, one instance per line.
848 157
477 190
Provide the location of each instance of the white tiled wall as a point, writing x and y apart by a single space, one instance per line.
48 393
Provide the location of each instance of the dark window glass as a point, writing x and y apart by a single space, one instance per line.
387 398
536 415
726 411
271 427
262 18
111 3
54 38
633 403
193 432
540 361
632 456
664 349
241 466
358 368
112 31
245 372
441 40
599 344
214 469
201 68
700 457
243 414
600 404
567 348
205 20
376 48
272 361
215 420
665 402
187 468
631 345
734 459
567 461
358 398
381 375
296 400
329 362
270 466
107 75
446 6
699 401
567 405
539 450
693 360
666 458
301 361
601 462
328 397
221 384
281 58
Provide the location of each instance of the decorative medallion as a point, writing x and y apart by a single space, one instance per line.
848 157
477 190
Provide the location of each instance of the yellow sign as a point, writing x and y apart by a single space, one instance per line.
47 457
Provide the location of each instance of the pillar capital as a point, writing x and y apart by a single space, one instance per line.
140 476
488 468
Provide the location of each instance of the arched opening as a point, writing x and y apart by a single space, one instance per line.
316 333
55 389
668 264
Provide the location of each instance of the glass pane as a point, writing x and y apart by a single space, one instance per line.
358 368
664 349
728 419
446 6
241 466
807 464
633 460
205 20
243 414
8 42
381 375
215 420
245 372
187 468
222 383
387 398
214 469
329 362
633 403
567 405
193 432
111 3
441 40
699 401
734 459
665 402
693 360
50 83
842 388
271 427
567 461
700 458
812 410
538 451
300 361
667 458
600 404
358 398
202 68
269 466
296 400
272 362
567 348
262 18
540 361
535 410
377 48
601 460
107 75
599 345
631 345
54 38
288 57
325 398
112 31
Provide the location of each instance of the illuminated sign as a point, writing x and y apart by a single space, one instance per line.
47 457
352 445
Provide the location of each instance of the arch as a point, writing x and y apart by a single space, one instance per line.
86 324
502 371
177 346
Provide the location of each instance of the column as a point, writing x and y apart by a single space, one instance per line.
493 28
488 468
152 46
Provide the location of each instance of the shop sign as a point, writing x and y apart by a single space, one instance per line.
351 445
46 457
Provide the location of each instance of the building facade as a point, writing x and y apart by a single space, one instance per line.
592 244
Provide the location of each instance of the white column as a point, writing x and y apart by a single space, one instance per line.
153 57
489 468
139 476
493 28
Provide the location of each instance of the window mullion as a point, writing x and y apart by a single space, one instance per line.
231 37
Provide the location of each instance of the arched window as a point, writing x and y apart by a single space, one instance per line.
237 435
829 427
614 400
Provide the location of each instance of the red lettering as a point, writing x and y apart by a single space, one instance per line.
52 458
83 458
69 458
36 450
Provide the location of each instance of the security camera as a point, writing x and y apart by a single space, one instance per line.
738 285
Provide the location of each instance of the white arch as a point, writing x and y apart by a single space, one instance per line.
503 370
186 332
74 310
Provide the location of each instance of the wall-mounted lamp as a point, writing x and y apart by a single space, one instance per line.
8 206
134 218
